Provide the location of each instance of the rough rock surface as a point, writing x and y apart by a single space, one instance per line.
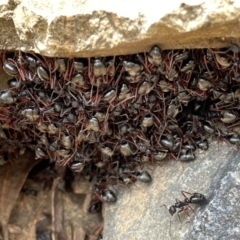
215 173
86 28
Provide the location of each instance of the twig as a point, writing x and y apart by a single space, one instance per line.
55 182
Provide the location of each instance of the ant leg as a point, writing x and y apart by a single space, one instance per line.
164 206
89 69
177 200
97 97
97 195
119 77
157 119
52 80
179 215
170 227
138 188
184 192
106 119
145 63
205 61
172 154
190 208
183 209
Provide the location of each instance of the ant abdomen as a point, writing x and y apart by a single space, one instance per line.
197 198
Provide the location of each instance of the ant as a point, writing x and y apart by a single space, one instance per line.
193 198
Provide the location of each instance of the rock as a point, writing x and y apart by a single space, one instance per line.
139 213
220 217
84 28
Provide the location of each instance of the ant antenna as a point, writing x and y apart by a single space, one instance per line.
170 224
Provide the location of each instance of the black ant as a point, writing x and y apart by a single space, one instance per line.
193 198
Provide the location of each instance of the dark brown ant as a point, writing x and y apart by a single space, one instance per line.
95 207
104 194
183 206
144 176
77 166
194 198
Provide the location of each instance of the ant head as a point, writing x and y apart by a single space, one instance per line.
172 210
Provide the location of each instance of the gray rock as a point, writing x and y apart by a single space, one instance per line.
220 218
86 28
139 214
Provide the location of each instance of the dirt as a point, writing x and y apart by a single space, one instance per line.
38 202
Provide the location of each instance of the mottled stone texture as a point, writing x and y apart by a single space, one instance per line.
215 173
89 28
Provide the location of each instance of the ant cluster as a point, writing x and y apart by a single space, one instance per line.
106 117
